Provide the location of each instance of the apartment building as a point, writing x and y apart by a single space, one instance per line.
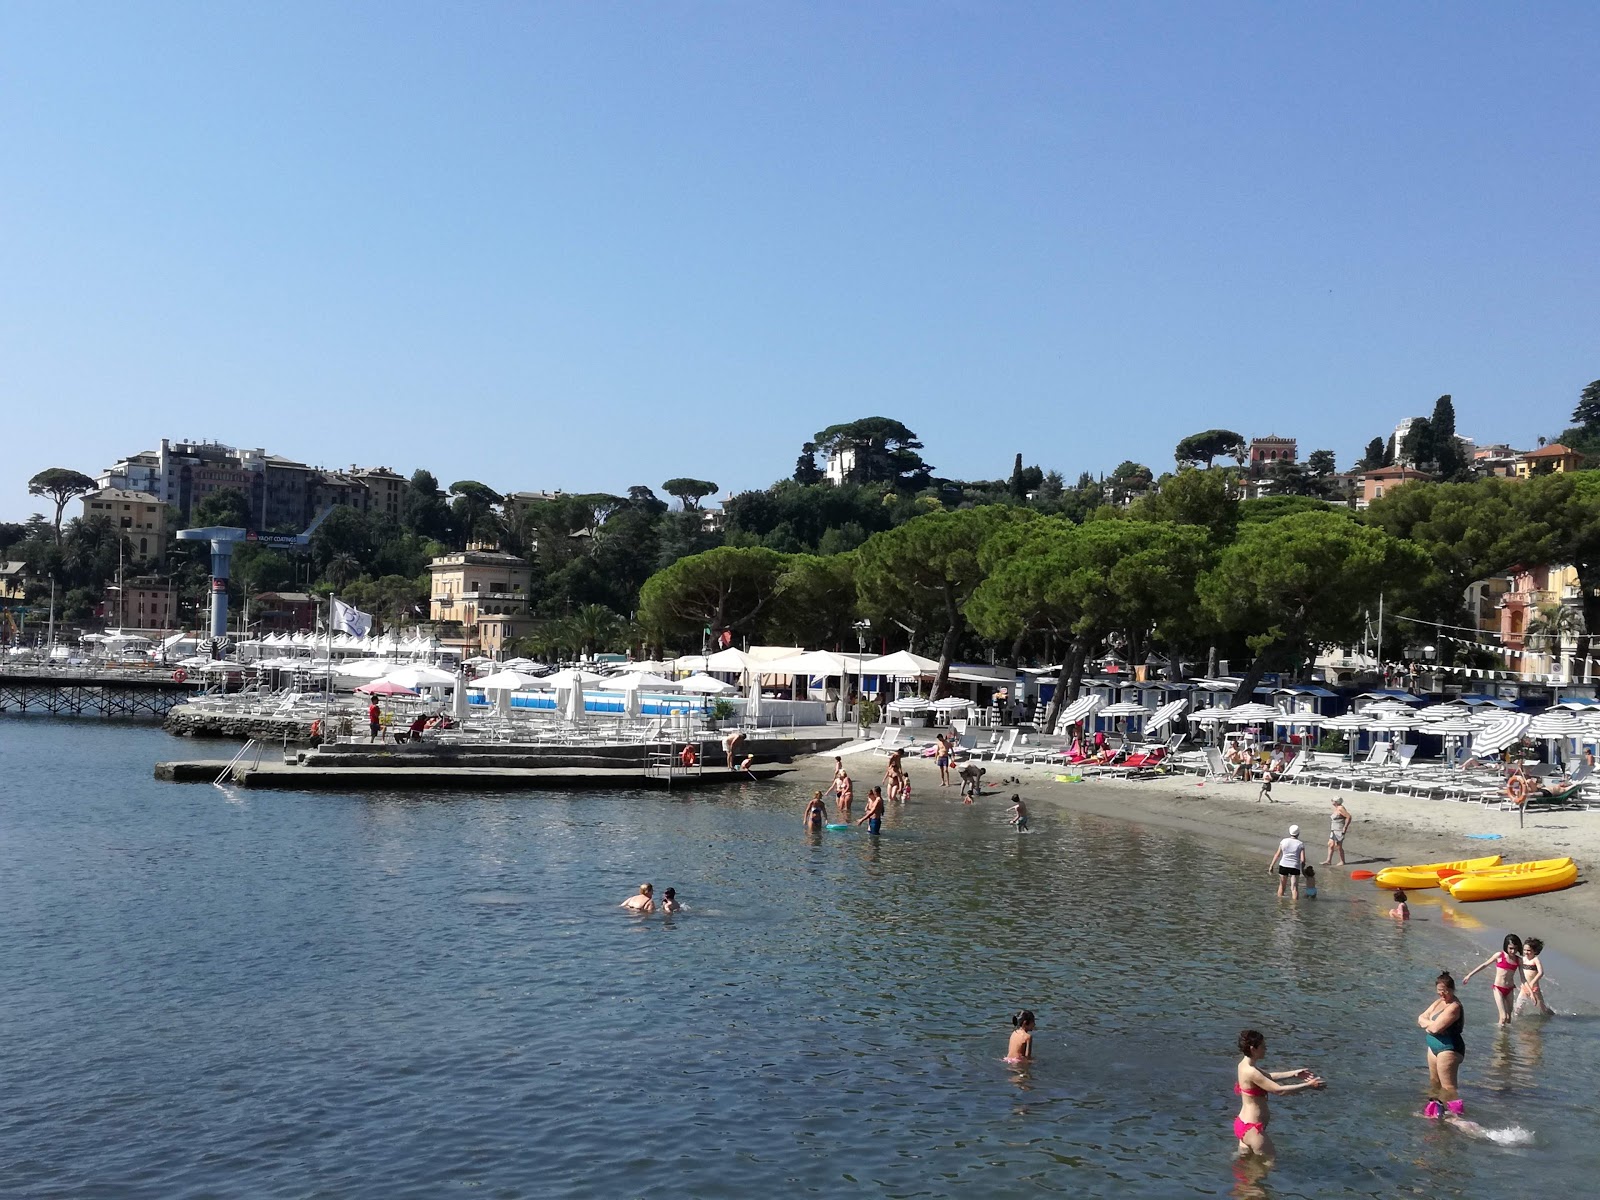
139 516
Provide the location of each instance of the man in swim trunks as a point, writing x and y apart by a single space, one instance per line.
1341 826
732 744
873 817
1019 813
1289 857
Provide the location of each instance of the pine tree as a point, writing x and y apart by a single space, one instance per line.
1019 488
1446 456
1587 413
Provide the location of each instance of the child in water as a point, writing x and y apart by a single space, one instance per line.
669 901
1534 972
1020 1049
1401 910
1308 882
1019 813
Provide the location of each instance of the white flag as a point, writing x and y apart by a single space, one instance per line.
351 620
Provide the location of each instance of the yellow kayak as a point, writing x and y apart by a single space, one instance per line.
1505 868
1427 874
1523 879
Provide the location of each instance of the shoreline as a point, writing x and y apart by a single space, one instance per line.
1386 830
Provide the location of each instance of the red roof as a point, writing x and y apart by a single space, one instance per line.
1554 450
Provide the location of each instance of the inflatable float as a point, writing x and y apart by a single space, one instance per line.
1514 879
1426 875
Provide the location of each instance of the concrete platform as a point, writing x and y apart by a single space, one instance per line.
402 776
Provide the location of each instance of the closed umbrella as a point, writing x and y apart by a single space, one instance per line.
574 707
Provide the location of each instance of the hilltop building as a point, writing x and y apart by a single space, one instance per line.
485 591
1554 459
139 516
1267 452
1372 484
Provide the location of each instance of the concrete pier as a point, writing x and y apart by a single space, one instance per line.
314 776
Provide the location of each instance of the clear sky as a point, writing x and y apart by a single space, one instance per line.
589 245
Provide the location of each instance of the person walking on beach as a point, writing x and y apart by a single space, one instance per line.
941 759
1441 1023
1253 1085
1289 857
374 719
873 817
1340 827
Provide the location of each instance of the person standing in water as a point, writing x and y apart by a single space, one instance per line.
1020 1048
941 759
846 791
669 901
1340 826
1506 966
816 812
1253 1086
644 902
1288 859
873 817
1019 813
1441 1023
1534 969
1401 910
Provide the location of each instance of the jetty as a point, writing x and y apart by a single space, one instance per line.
480 766
148 693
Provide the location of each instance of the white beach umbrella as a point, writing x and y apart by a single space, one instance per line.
1502 731
1442 712
908 704
649 666
640 682
1251 714
1556 723
1126 709
1080 709
366 668
689 662
631 706
421 677
507 681
573 709
1209 716
571 677
730 661
705 685
1165 715
951 704
1349 722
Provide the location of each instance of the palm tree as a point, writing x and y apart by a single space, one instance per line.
342 568
1555 624
594 627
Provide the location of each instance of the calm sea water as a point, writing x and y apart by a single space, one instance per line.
290 994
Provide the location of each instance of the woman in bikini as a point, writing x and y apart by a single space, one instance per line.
894 776
1254 1086
816 812
1506 965
1442 1022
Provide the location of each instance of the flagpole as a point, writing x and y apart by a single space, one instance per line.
327 690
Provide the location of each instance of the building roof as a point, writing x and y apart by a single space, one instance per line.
12 568
122 494
288 597
1554 450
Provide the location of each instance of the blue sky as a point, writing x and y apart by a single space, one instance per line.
590 245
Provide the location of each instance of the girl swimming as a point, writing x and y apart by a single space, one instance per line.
1020 1048
1534 968
1401 910
1441 1022
1506 965
1253 1086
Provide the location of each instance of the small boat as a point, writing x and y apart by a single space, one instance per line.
1426 875
1448 877
1519 879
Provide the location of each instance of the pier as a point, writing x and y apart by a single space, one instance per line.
87 691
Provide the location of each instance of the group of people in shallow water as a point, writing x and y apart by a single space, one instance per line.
644 901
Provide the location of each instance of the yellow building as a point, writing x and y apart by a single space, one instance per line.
140 517
478 583
1554 459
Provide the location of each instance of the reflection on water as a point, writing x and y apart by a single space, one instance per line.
374 995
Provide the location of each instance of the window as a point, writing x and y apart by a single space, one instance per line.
144 545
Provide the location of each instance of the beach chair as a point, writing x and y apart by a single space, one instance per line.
1002 749
890 740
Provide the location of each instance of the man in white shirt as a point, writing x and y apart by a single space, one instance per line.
1288 859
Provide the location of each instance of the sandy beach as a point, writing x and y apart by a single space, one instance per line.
1387 830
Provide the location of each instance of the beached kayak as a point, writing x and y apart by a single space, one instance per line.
1426 875
1505 868
1520 879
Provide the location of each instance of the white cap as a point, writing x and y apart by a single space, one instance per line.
1294 831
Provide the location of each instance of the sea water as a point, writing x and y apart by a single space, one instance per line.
417 994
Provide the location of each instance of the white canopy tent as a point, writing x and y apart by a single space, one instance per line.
705 685
507 681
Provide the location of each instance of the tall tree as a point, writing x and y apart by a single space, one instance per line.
689 491
1300 582
60 485
1373 456
928 568
227 507
1321 463
1417 448
1208 499
1447 456
1019 490
1587 413
424 510
726 588
1203 448
885 451
806 471
816 600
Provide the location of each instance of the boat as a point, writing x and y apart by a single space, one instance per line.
1426 875
1520 879
1448 877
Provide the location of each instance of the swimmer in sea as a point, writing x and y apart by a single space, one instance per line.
816 812
1442 1022
1020 1048
669 901
1534 968
1019 813
1506 965
873 817
644 902
1253 1086
1401 910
